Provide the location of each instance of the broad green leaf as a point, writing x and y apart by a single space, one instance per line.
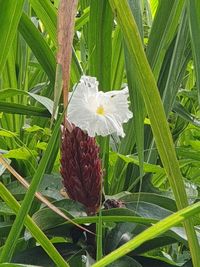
4 229
69 252
45 101
20 153
125 262
147 167
50 187
34 128
148 260
7 133
5 210
124 232
152 232
46 218
160 200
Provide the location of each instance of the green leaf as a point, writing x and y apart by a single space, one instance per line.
13 108
33 228
117 64
152 232
10 14
194 20
17 265
155 110
46 219
147 166
11 241
7 133
162 34
80 22
4 229
45 101
39 46
100 42
28 256
47 13
10 92
160 200
20 153
125 262
183 113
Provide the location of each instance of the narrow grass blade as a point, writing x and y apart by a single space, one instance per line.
100 42
100 57
33 228
10 14
156 114
117 65
163 33
172 74
13 108
38 45
137 103
99 237
194 20
47 13
173 80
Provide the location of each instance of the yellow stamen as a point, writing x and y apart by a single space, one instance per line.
100 110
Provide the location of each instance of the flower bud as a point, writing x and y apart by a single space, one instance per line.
81 168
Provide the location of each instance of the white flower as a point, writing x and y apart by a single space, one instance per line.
97 112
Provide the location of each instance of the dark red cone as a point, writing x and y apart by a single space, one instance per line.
81 168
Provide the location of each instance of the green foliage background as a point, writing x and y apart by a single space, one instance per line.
153 46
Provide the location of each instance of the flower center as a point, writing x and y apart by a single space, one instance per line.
100 110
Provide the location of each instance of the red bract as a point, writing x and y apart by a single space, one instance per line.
81 168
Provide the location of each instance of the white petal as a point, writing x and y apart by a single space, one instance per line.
116 92
85 102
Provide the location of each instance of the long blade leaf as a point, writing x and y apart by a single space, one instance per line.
156 114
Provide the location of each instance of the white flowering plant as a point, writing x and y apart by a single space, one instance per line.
97 112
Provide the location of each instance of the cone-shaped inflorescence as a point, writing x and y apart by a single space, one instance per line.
81 168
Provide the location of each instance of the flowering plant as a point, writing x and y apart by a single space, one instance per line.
96 112
91 112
